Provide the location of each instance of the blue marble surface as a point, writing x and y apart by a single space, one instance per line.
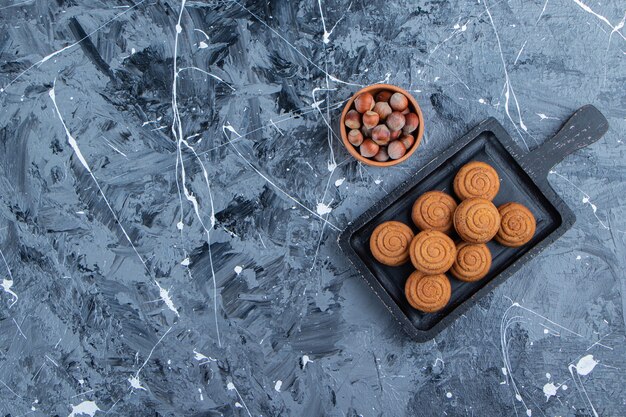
172 185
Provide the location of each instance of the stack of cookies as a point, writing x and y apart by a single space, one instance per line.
476 221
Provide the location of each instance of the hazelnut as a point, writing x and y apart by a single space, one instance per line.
395 134
353 119
407 140
406 111
355 137
367 132
369 148
380 135
384 95
382 155
370 119
396 149
398 102
383 109
395 121
364 102
411 121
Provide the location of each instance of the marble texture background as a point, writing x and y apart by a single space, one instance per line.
172 186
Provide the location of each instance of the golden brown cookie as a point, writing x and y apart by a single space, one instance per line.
390 242
428 293
472 262
476 179
476 220
433 211
432 252
517 225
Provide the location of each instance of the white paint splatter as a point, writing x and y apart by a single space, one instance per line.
529 412
70 138
6 286
481 101
505 323
202 45
548 375
230 128
89 408
339 182
448 395
165 297
578 258
323 209
185 262
232 387
564 387
542 116
238 405
278 384
377 181
549 390
509 92
604 19
202 358
201 396
305 360
585 365
586 200
504 371
135 382
238 269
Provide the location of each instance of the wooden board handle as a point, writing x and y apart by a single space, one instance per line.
585 127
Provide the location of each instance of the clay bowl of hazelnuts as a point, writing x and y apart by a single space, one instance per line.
382 125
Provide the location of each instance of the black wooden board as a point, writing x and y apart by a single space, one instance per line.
523 179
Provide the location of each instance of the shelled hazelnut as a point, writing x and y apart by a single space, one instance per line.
395 121
370 119
382 155
364 102
398 102
384 96
395 134
396 149
380 135
383 109
407 140
353 119
369 148
411 121
355 137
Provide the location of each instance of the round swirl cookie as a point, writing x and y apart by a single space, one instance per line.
428 293
476 220
432 252
472 262
476 179
517 225
434 210
390 243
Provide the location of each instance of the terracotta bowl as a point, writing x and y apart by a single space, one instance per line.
374 89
